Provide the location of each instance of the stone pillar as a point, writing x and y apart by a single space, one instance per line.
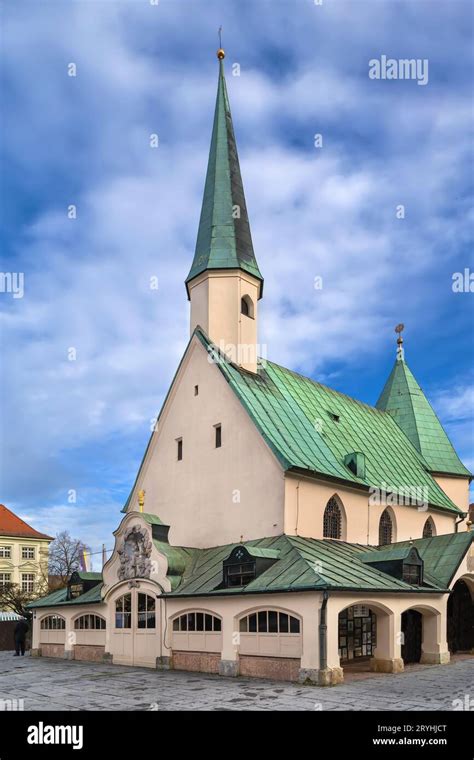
434 646
70 639
229 664
387 655
309 670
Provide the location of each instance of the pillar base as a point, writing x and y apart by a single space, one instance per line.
68 654
229 668
435 658
164 663
108 658
35 653
394 665
327 677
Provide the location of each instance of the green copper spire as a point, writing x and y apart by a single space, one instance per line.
403 398
224 240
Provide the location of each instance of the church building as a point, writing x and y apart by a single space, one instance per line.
276 527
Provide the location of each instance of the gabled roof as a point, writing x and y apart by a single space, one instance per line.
441 555
14 526
403 398
224 240
312 428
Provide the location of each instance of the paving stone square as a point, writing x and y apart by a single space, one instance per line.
50 684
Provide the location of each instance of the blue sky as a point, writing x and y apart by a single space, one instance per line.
143 69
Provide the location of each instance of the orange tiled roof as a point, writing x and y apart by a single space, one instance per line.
12 525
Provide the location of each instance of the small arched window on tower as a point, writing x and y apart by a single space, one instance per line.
428 528
332 520
385 528
246 307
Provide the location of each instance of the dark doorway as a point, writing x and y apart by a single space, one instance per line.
460 619
412 628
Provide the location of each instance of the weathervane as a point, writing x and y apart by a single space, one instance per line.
399 329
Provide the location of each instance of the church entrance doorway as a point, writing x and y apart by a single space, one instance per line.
134 639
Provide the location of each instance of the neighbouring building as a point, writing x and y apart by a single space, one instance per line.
23 553
276 527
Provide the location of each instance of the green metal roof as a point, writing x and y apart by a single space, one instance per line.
311 564
403 398
224 240
312 427
441 555
387 553
89 576
58 598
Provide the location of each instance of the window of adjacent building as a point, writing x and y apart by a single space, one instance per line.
246 306
239 574
218 429
332 520
28 582
5 552
179 443
53 623
269 621
197 621
428 528
146 611
5 578
123 611
27 552
89 623
412 574
385 528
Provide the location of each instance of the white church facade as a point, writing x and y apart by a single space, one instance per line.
276 527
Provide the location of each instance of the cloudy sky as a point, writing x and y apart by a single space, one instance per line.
145 67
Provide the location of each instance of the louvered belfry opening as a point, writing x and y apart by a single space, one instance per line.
332 520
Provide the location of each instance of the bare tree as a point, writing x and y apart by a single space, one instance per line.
64 556
14 599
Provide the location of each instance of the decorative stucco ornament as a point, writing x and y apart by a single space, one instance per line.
135 554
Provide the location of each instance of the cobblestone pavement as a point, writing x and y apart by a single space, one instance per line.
49 684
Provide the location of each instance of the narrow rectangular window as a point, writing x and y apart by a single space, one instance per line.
180 448
196 390
218 436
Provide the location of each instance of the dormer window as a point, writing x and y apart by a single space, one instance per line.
244 564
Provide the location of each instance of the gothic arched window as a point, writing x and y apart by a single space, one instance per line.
428 528
385 528
332 520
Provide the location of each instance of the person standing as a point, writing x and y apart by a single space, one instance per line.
19 633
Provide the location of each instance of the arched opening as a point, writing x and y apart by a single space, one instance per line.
460 625
429 529
332 519
386 528
357 636
412 636
246 307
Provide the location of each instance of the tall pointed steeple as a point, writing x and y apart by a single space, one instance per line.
225 284
403 398
224 240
